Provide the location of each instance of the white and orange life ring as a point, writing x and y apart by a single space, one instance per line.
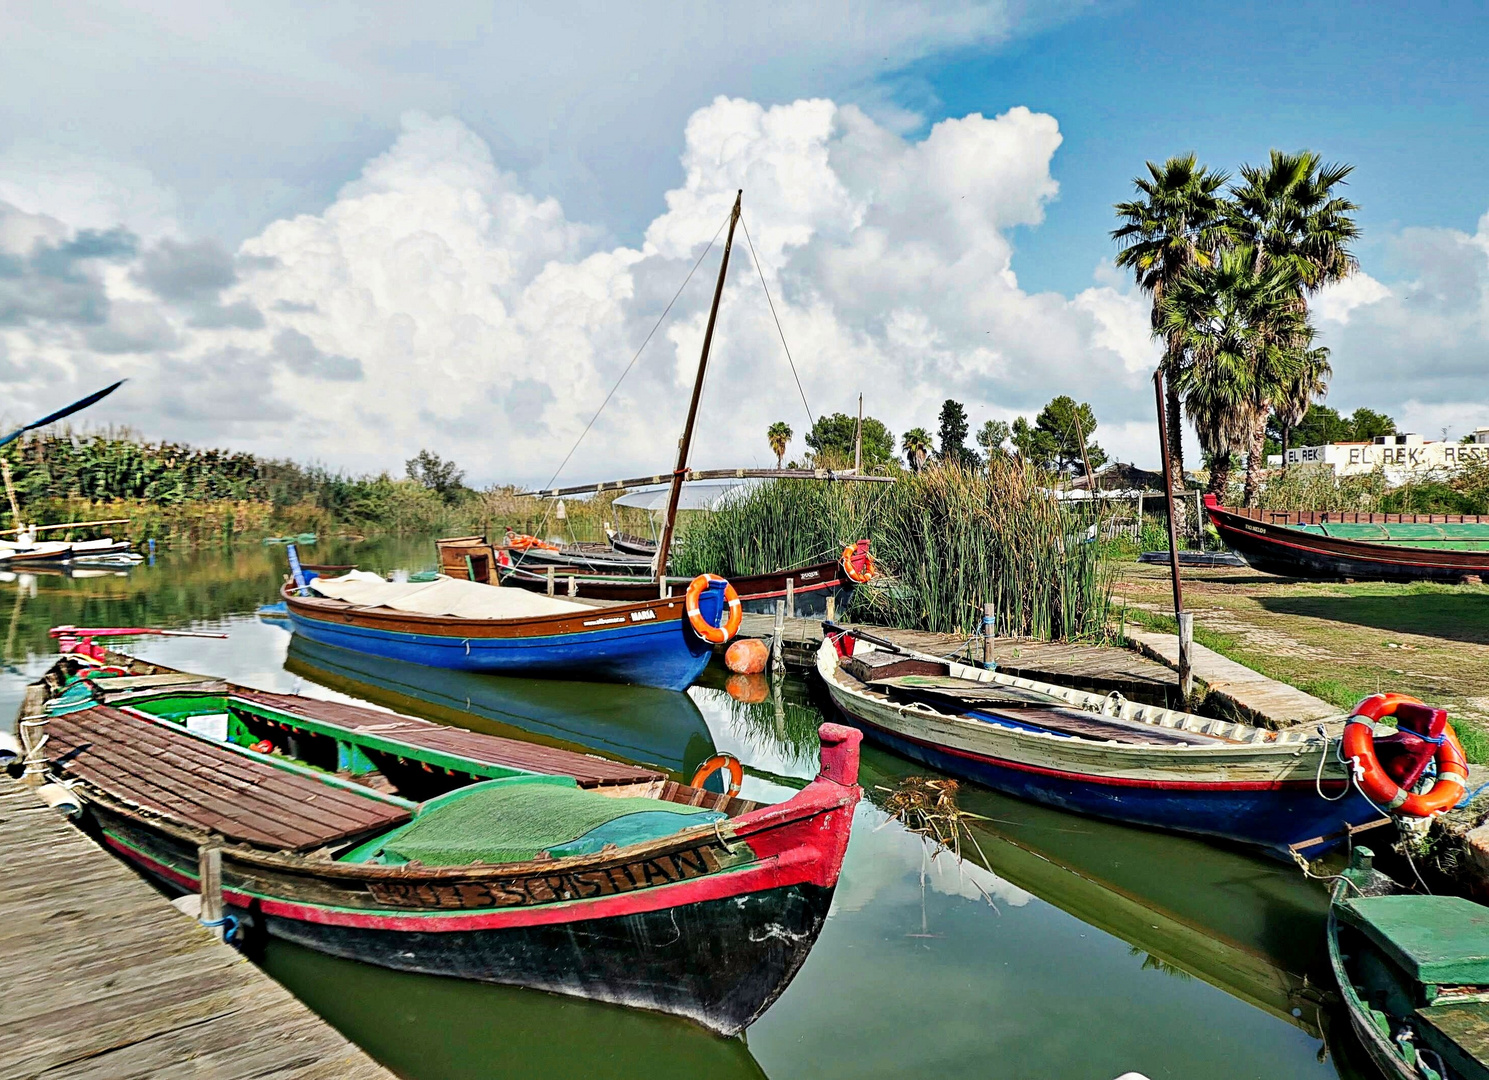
714 635
526 542
1378 785
858 564
721 761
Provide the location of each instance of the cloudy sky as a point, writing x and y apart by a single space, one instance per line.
344 232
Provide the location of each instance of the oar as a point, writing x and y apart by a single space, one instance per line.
872 639
76 406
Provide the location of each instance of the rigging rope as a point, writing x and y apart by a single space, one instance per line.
652 333
777 319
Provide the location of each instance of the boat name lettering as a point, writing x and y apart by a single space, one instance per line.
1255 529
603 622
642 616
551 888
809 575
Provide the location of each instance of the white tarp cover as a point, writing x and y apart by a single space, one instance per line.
442 596
696 495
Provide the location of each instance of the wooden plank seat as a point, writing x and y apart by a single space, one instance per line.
202 784
589 771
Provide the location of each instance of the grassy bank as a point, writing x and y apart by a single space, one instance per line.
1336 641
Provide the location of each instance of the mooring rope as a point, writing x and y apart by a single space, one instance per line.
810 419
652 333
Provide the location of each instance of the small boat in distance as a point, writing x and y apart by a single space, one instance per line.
1331 545
1283 792
407 844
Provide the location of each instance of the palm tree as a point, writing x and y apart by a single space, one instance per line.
779 434
1245 338
1176 223
1311 385
1288 212
917 445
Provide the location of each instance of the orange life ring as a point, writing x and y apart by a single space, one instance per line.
870 568
1377 784
714 635
713 765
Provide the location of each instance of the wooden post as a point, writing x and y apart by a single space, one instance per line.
1186 646
1199 520
1137 530
858 439
573 586
778 640
33 742
209 886
550 580
10 493
791 597
1185 678
989 631
832 608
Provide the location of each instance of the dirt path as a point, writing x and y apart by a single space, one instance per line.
1336 641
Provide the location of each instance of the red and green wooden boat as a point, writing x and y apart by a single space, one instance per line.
411 845
1331 545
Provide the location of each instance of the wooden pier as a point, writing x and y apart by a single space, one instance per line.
1145 672
103 977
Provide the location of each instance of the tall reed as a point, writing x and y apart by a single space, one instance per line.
947 540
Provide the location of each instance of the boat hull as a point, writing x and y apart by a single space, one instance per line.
1265 797
1276 548
650 645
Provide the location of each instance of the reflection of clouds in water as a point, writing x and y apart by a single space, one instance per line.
885 860
786 746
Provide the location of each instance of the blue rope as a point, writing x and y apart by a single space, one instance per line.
230 921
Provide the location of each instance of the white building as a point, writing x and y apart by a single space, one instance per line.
1402 457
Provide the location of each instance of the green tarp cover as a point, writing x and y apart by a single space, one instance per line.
1437 940
514 820
1458 537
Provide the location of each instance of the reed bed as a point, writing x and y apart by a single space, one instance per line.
947 541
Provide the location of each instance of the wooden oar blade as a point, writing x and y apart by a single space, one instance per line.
76 406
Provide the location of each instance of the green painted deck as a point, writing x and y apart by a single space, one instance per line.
104 978
1437 940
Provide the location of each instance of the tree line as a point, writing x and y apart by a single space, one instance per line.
1059 440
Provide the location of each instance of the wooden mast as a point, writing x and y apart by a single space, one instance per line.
683 444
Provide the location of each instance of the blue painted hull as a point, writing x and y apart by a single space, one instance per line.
1271 820
664 653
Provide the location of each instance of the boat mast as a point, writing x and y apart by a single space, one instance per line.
683 444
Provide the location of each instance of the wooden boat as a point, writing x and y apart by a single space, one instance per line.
636 724
630 544
466 626
1104 756
1330 545
1413 972
414 846
582 558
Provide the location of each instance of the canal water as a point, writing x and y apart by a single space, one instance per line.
1056 946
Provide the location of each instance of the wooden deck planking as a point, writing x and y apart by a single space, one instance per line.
587 769
104 979
210 787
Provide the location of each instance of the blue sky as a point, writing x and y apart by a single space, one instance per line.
323 218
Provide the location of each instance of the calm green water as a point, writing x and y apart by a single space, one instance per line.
1060 947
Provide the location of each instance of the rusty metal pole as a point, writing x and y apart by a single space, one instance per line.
1186 680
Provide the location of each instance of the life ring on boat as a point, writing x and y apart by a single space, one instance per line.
713 765
714 635
858 564
1378 784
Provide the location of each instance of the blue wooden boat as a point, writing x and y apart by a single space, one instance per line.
1284 792
466 626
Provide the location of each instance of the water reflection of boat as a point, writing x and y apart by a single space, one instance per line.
392 1014
634 723
1246 926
